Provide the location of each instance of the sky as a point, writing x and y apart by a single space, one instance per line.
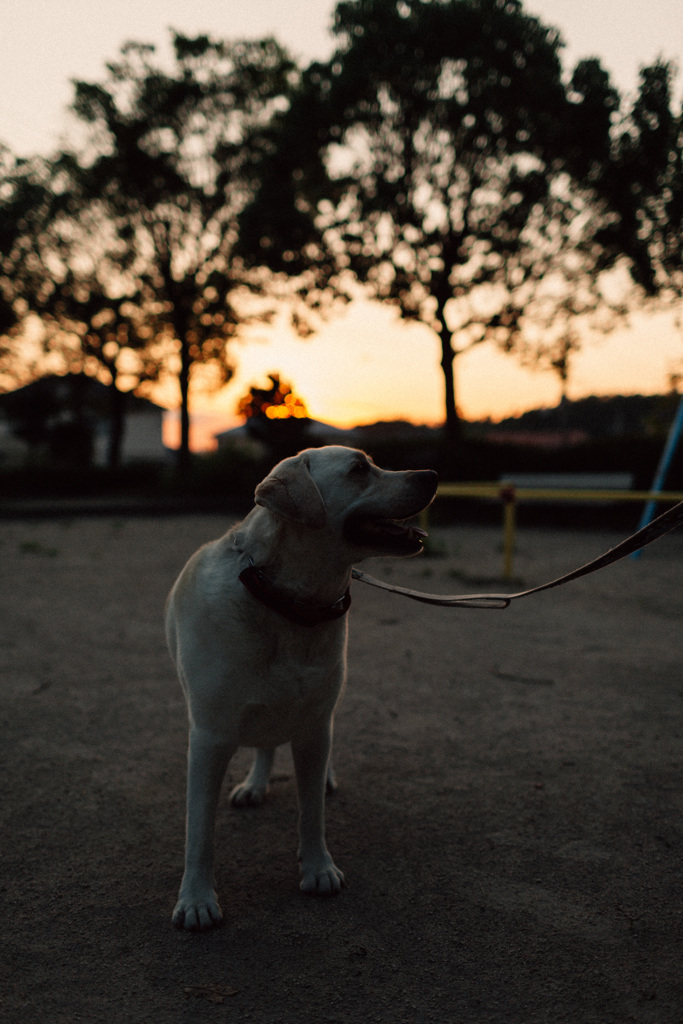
365 364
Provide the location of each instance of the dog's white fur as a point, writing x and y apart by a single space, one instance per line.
251 676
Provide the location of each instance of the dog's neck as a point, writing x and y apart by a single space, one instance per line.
292 563
303 613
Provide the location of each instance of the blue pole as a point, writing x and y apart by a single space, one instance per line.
667 455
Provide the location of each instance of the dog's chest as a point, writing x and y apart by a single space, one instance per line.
293 680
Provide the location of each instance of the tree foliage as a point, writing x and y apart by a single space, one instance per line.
277 402
276 416
25 201
441 157
65 275
645 185
449 126
172 160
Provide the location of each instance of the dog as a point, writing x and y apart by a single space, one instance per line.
256 625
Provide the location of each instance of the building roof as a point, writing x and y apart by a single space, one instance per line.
55 391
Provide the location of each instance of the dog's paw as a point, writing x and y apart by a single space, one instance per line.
247 795
197 914
321 877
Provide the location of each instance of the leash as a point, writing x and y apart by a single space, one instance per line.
669 520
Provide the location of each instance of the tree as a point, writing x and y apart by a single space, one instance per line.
280 228
8 230
449 125
569 259
104 335
171 162
278 402
24 200
60 273
645 186
276 416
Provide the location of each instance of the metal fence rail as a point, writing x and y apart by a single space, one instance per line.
510 495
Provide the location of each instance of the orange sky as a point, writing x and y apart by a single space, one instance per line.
366 365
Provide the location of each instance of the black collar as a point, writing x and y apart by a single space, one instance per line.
301 612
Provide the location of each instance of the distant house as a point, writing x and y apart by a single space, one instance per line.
70 417
317 433
549 439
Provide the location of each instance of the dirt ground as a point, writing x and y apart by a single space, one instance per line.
509 818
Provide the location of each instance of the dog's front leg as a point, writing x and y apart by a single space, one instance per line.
319 873
197 907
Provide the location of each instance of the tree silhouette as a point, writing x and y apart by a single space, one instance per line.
278 402
24 201
171 161
449 126
645 185
104 335
59 271
276 416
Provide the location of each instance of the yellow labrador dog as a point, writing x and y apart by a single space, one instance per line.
256 625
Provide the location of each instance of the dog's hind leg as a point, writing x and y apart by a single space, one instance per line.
331 784
251 792
197 907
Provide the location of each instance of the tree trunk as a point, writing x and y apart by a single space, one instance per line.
117 423
452 423
184 381
181 303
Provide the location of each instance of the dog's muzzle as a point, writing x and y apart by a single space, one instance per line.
391 533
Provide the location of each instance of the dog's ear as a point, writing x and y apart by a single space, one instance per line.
290 493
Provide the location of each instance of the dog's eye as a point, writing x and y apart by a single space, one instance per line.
359 468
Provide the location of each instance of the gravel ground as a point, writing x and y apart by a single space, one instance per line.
509 817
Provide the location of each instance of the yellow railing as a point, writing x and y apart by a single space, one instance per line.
509 494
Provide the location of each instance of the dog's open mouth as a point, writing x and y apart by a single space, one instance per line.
388 534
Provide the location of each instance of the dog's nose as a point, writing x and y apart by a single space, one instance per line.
428 480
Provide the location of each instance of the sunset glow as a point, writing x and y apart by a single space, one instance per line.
367 365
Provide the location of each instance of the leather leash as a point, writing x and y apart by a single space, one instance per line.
669 520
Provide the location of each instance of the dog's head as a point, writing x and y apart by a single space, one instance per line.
342 490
